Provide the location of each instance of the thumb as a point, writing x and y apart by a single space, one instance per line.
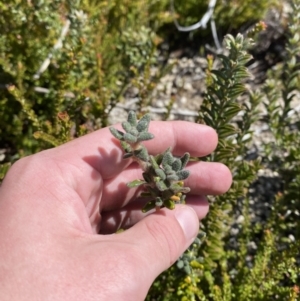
161 238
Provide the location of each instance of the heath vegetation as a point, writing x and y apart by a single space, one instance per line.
64 67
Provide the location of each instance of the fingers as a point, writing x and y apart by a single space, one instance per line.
102 151
199 140
208 178
84 162
131 214
205 178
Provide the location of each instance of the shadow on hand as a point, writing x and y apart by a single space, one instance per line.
109 165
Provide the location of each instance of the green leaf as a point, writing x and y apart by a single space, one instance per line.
46 137
231 111
135 183
160 173
129 138
126 126
126 147
154 163
168 159
176 165
244 59
158 159
183 174
222 143
185 190
149 206
116 133
222 155
147 177
4 169
172 177
169 204
226 130
178 188
241 73
211 100
218 92
133 131
143 123
236 90
142 153
225 61
220 74
145 136
185 159
208 120
161 186
132 118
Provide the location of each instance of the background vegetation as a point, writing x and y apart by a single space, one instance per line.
64 65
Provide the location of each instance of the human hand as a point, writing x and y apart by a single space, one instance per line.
54 204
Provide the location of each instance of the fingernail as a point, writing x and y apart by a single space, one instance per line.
188 221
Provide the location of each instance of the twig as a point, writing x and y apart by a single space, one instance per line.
57 45
214 33
202 23
46 91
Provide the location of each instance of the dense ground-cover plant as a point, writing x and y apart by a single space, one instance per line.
244 258
69 56
61 73
79 57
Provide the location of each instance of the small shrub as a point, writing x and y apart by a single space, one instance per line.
83 79
230 269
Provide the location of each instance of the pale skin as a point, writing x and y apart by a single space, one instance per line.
54 204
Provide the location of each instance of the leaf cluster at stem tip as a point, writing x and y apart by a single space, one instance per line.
163 174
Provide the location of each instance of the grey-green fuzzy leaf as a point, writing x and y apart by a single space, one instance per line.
126 126
116 133
159 172
145 136
161 186
143 123
133 131
126 147
183 174
142 154
132 118
185 159
173 177
167 159
153 162
176 165
130 138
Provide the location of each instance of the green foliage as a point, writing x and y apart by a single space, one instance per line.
236 272
163 174
78 59
61 74
71 61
